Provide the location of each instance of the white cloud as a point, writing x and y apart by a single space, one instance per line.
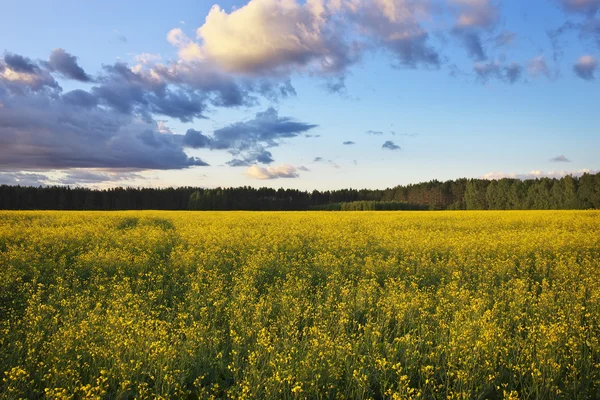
537 174
319 36
264 35
281 171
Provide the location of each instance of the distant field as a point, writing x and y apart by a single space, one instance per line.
443 305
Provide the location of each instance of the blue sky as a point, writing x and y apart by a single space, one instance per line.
266 92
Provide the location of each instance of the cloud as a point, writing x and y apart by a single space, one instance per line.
472 42
395 25
23 179
66 64
475 13
537 174
505 38
586 67
374 133
473 17
86 177
20 64
266 36
277 38
281 171
581 6
389 145
318 159
53 132
20 74
560 158
303 168
76 177
248 139
348 143
510 73
538 67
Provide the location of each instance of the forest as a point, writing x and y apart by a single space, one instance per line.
461 194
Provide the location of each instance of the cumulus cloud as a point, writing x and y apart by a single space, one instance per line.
273 37
66 64
265 36
389 145
586 67
276 172
560 158
537 174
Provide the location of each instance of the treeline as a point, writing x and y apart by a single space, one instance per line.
369 206
460 194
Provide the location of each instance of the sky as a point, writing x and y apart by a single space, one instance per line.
314 94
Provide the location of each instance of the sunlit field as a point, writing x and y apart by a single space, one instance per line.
448 305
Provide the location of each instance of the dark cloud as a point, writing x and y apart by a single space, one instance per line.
348 143
513 72
472 42
389 145
22 179
493 70
66 64
318 159
80 98
261 156
196 140
19 63
303 168
266 129
560 158
473 19
24 75
138 93
222 90
43 132
400 34
413 51
586 67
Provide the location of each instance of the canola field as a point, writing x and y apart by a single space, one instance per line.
368 305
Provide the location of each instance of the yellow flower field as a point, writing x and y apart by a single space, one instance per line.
435 305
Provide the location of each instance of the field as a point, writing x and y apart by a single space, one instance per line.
448 305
